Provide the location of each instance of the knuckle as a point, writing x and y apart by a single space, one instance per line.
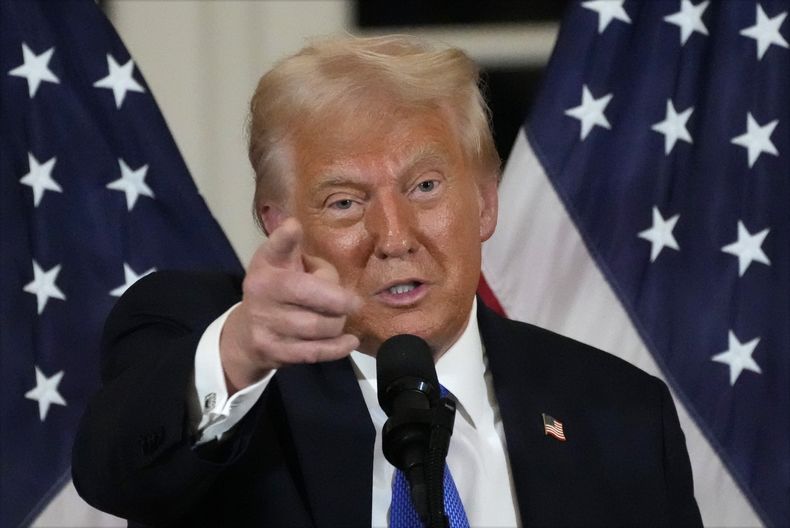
281 323
312 324
273 283
257 281
261 339
312 356
338 324
294 290
302 292
250 282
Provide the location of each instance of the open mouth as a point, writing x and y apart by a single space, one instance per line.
403 293
400 289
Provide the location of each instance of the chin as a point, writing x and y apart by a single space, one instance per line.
415 323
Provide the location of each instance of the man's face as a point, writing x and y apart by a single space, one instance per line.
395 206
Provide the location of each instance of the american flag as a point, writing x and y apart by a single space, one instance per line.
553 427
646 210
94 195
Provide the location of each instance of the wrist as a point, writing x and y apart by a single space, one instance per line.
238 365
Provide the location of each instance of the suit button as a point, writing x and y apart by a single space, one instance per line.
151 441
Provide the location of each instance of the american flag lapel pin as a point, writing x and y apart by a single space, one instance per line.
553 427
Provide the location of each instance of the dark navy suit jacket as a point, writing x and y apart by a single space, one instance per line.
303 455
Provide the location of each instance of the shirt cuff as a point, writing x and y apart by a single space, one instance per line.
218 412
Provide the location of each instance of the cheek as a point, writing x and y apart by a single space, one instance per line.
454 231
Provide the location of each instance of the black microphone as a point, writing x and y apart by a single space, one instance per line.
416 436
407 390
406 374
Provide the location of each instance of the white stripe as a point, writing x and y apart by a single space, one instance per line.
539 269
68 509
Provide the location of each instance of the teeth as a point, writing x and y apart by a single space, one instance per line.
401 288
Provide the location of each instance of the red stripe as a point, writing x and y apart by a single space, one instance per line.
558 437
488 297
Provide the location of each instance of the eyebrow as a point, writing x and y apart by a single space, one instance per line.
425 154
336 177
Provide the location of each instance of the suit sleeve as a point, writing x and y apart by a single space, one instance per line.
682 507
133 455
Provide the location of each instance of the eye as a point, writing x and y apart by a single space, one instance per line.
426 189
342 204
427 185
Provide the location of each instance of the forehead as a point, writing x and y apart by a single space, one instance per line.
389 140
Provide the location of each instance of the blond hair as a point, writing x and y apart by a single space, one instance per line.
343 74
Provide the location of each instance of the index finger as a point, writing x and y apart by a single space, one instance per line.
284 247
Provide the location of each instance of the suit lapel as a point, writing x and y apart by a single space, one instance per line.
333 438
523 394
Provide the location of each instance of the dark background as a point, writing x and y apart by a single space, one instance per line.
510 89
386 13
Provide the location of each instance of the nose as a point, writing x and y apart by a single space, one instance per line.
390 222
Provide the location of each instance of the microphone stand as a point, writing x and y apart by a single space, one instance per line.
423 458
442 420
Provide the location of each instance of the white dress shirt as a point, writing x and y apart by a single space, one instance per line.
477 457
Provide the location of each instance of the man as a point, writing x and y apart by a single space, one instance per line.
229 402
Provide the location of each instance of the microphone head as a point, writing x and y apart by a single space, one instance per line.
405 364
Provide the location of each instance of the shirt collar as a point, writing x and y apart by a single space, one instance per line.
461 369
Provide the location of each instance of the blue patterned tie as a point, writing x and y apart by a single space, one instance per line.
402 513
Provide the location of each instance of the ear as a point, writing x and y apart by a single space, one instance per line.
489 206
272 216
